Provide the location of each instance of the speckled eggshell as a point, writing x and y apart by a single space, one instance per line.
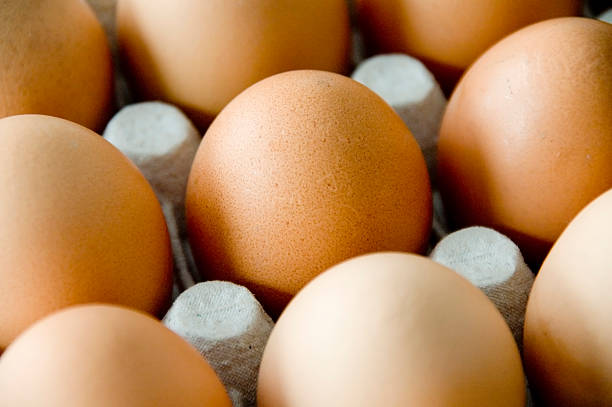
79 223
54 60
391 329
448 35
568 325
301 171
200 54
526 140
101 356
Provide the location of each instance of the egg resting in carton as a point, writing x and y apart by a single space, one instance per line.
150 133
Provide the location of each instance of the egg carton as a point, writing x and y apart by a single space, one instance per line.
406 84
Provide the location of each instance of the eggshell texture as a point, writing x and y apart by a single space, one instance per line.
79 224
568 326
301 171
201 54
99 355
54 60
526 140
448 35
390 329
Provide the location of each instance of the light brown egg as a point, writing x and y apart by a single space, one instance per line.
79 224
568 326
301 171
54 60
101 356
448 35
526 140
201 54
390 329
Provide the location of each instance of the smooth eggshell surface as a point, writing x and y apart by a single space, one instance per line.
54 60
568 325
301 171
526 140
448 35
79 224
201 54
390 329
100 356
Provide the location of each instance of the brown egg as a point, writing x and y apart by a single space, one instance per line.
526 140
79 224
448 35
54 60
99 355
301 171
568 326
201 54
390 329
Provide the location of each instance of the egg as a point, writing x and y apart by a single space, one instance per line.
54 60
200 54
568 328
301 171
526 140
79 224
100 355
448 35
390 329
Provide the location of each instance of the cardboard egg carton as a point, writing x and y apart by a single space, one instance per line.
164 137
